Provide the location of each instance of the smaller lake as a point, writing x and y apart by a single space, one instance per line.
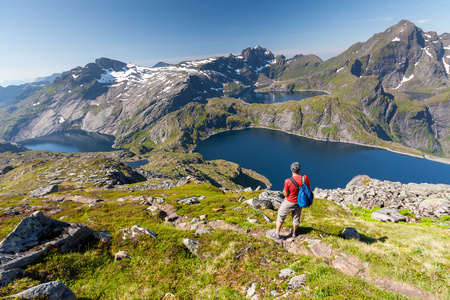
71 141
250 96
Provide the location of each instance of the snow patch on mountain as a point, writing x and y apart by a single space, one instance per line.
405 79
397 39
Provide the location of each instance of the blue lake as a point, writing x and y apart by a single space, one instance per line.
328 164
72 141
250 96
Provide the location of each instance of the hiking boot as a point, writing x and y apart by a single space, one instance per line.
293 234
275 235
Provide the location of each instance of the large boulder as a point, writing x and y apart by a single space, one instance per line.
44 191
32 231
7 277
54 290
36 235
388 215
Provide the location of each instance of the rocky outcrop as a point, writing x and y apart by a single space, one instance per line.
36 235
54 290
422 200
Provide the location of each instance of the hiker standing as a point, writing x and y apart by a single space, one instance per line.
290 204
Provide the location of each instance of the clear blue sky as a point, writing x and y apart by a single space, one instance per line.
41 37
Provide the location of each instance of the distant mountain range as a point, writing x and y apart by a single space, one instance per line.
390 91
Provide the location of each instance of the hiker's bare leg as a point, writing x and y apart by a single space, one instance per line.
279 224
295 229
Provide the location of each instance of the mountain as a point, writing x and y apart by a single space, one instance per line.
161 64
121 99
47 78
374 82
404 58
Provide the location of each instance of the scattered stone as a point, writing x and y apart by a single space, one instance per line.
217 209
7 277
169 296
54 290
192 245
189 201
345 266
195 220
160 200
388 215
203 217
423 200
172 217
201 231
320 249
297 282
258 203
44 191
104 236
251 290
135 232
350 233
274 293
6 170
247 189
266 218
274 197
152 208
252 220
286 273
121 255
198 225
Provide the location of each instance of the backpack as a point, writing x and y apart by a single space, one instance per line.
305 196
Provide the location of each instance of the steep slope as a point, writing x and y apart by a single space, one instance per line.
403 57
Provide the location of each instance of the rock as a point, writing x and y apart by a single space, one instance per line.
7 277
274 293
345 266
286 272
252 220
172 217
121 255
168 296
44 191
350 233
251 290
258 203
203 217
30 232
297 282
443 209
192 245
6 169
104 236
388 215
152 208
136 232
320 249
358 180
201 231
217 209
54 290
247 189
189 201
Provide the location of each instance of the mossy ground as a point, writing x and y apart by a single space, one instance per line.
230 261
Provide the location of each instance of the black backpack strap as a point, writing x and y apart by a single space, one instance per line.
295 182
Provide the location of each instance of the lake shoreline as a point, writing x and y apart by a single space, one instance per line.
423 156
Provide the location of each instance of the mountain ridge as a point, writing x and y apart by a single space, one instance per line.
126 100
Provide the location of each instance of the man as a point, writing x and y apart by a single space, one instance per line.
289 204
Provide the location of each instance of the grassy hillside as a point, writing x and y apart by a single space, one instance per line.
233 256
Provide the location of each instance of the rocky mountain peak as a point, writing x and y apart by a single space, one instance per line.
107 63
257 56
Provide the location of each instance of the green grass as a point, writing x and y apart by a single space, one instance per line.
229 261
